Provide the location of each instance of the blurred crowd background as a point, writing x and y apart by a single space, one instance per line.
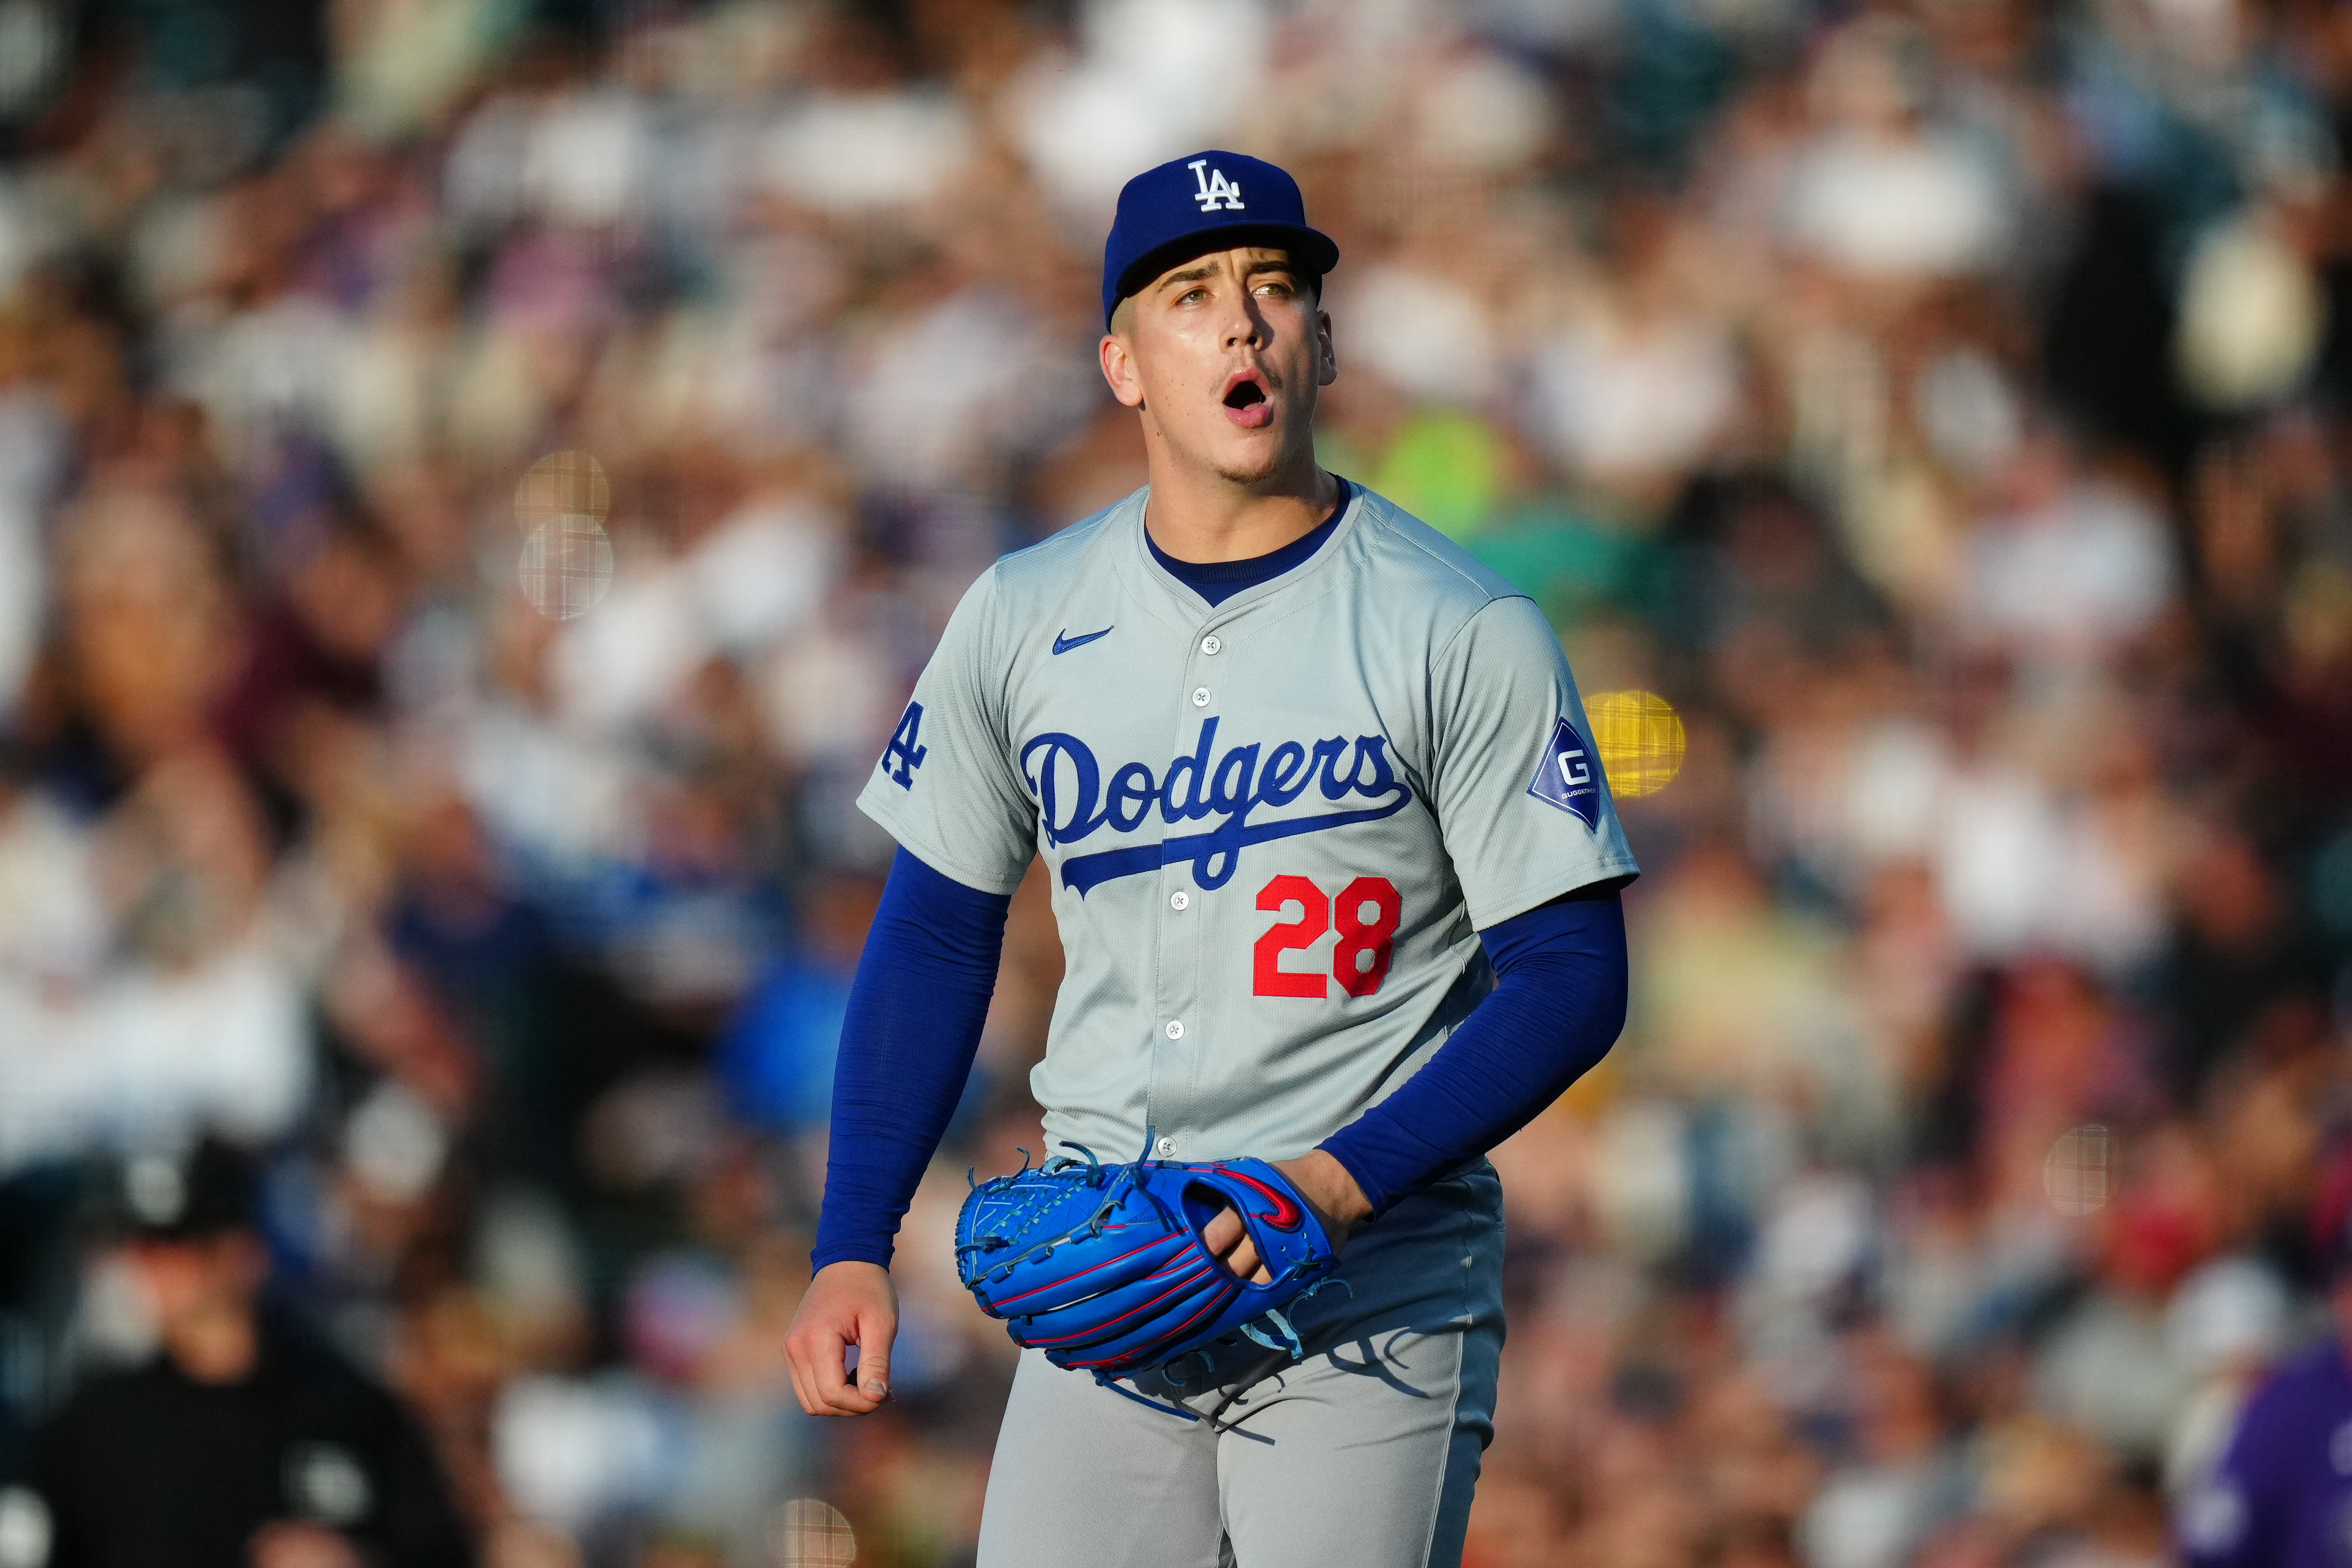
478 478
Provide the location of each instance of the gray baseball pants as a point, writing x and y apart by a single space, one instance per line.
1363 1454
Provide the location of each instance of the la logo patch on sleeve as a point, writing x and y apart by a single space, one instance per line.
1568 775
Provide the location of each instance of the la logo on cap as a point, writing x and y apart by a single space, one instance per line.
1215 190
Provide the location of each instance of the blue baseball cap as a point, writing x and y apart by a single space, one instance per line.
1205 201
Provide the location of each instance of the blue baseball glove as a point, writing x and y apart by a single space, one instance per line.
1103 1267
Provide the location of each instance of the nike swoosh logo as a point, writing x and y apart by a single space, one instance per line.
1285 1215
1065 642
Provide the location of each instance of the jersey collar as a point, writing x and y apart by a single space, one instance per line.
1174 599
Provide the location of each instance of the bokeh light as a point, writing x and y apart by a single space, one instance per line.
2077 1173
566 566
26 1531
565 483
808 1533
1639 737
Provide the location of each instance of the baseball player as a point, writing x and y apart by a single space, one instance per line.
1336 873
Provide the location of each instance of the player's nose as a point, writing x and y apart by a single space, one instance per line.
1246 328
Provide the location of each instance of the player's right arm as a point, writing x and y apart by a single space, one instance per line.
848 1303
946 789
907 1039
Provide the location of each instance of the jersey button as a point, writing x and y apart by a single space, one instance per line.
1200 696
1164 1148
1210 646
1180 900
1175 1028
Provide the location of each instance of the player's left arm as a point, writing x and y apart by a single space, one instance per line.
1557 1006
1527 822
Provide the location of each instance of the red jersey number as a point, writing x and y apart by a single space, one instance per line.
1314 920
1366 914
1361 961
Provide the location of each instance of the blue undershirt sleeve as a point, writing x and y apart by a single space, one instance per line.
906 1045
1557 1006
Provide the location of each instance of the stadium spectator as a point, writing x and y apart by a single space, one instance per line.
2281 1494
245 1439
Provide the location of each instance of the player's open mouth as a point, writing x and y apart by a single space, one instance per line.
1245 400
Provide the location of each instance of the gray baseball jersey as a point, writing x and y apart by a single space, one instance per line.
1273 827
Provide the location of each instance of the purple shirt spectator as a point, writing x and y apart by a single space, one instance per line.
2282 1495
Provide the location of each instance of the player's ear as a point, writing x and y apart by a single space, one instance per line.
1118 369
1326 352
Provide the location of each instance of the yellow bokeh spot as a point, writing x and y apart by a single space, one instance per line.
563 484
1639 737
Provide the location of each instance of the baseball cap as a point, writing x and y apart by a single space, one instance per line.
1203 202
184 1195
